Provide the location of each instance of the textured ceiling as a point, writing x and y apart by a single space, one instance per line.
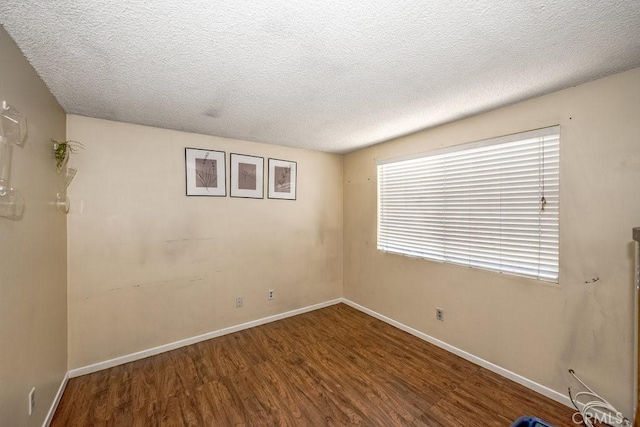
325 75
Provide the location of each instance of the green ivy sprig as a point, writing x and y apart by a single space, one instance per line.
62 147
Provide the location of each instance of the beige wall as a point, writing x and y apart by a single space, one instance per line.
33 258
149 266
535 329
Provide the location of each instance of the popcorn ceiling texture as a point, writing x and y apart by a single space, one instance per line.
332 75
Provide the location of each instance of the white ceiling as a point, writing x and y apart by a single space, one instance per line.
331 75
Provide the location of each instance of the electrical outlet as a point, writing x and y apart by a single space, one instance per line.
238 302
440 314
271 293
32 400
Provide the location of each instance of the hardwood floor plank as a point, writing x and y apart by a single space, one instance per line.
371 384
217 397
398 391
420 384
143 385
350 389
312 393
330 367
506 398
244 399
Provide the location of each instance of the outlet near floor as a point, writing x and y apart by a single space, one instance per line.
238 302
271 293
440 314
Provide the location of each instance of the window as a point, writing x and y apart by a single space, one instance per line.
490 204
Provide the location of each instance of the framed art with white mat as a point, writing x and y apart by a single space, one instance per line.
283 177
206 172
247 176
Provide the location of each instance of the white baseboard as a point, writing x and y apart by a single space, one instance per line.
188 341
56 401
552 394
539 388
532 385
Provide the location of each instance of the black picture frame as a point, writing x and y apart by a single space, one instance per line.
196 179
246 182
283 179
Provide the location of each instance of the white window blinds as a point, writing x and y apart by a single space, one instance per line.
491 204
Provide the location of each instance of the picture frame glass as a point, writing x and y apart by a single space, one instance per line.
247 176
205 172
283 177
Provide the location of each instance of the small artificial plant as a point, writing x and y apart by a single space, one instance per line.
63 149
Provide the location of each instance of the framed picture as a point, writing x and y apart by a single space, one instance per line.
247 174
206 172
283 176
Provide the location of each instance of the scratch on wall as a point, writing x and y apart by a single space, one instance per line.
189 240
155 284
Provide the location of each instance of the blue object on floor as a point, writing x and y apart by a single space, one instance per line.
530 422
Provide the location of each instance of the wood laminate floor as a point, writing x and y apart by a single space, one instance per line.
334 366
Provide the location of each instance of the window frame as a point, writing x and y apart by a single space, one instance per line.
554 134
